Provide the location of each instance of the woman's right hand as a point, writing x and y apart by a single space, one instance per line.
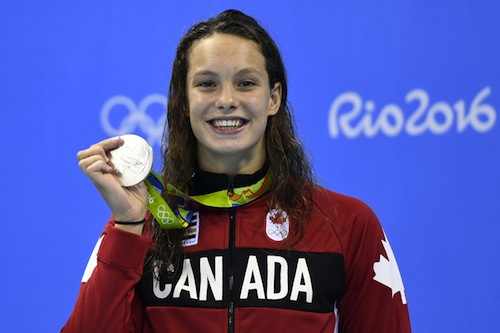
126 203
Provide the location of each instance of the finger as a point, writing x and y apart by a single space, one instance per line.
111 143
94 150
102 148
95 163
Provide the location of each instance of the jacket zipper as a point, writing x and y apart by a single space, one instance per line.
232 236
232 254
230 187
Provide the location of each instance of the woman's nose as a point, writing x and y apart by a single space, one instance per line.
227 98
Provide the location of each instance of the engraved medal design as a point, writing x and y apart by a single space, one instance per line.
133 160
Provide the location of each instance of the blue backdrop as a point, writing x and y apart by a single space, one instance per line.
397 102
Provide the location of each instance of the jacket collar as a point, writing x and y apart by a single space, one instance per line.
204 182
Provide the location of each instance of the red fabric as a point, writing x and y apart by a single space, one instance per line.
111 300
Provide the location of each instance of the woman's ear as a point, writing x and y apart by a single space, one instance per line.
275 99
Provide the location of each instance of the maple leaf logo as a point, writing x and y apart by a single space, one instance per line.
277 225
277 217
387 271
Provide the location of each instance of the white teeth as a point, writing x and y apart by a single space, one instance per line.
227 123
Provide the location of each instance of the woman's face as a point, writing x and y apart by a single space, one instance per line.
229 102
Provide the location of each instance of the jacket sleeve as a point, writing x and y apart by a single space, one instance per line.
374 298
107 301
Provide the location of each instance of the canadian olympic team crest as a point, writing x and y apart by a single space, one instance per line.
277 225
136 117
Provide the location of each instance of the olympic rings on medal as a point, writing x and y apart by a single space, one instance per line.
164 215
137 117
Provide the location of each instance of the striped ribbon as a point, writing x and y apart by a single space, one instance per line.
181 216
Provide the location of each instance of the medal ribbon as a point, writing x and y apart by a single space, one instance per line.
180 218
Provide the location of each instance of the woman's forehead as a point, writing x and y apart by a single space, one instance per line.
223 51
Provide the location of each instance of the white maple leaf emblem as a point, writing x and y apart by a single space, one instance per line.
387 271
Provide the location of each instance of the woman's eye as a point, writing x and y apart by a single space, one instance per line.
247 84
206 84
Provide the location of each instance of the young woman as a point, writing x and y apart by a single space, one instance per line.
294 258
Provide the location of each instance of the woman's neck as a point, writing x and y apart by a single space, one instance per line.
231 165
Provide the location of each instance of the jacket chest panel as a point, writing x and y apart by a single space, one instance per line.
262 278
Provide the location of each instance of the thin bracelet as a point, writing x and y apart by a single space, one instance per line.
130 223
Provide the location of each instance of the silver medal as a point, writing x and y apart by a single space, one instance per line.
133 160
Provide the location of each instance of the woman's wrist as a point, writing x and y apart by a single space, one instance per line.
132 226
130 222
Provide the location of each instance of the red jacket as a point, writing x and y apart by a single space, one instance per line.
240 275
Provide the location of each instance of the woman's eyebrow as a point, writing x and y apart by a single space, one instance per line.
244 71
249 70
205 73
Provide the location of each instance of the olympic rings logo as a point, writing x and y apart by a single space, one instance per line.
164 215
277 233
137 117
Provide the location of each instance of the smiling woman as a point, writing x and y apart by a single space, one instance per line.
229 103
272 250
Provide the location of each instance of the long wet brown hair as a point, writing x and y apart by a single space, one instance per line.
289 167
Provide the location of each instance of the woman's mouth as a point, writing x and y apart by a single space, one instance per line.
228 124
